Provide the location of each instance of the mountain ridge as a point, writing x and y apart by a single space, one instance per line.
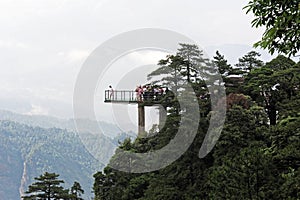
35 144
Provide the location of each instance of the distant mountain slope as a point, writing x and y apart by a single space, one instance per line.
109 130
100 138
26 152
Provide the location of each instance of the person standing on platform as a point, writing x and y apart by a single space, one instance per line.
138 93
111 91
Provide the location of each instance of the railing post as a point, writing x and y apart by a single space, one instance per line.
132 96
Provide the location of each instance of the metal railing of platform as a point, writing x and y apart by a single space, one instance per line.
120 96
129 96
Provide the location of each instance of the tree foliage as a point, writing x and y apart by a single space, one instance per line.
169 72
48 187
185 65
76 191
256 156
281 18
249 62
222 64
274 85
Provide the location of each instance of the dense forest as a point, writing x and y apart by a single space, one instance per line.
27 152
257 155
32 145
106 141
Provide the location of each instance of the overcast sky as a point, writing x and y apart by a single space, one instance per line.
43 43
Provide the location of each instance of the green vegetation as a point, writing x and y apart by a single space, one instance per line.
105 142
257 155
47 186
29 151
281 18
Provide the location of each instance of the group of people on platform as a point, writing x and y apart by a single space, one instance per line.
150 93
145 93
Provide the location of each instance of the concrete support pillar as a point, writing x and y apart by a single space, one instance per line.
141 120
162 115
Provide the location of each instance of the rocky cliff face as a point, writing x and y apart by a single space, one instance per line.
24 180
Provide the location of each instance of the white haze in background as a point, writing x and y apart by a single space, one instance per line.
43 43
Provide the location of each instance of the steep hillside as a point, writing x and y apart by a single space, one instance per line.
101 142
26 152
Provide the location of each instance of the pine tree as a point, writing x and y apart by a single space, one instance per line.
222 65
169 72
193 57
249 62
273 84
76 191
46 187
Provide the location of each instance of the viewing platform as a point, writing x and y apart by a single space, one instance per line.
130 97
147 98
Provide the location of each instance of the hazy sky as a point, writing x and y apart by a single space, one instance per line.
43 43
